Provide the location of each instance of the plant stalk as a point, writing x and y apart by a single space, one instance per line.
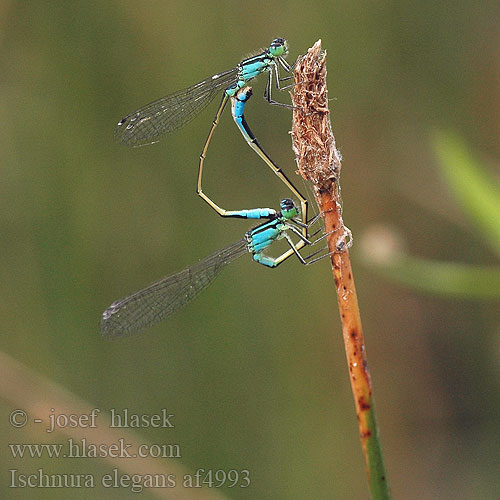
319 162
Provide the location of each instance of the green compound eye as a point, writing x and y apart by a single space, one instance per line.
288 208
278 47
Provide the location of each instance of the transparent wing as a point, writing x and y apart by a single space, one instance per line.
149 123
149 306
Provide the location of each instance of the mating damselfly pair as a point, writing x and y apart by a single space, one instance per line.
148 124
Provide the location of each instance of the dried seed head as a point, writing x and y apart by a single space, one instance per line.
312 138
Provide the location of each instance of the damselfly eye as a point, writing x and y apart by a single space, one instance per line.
278 47
288 208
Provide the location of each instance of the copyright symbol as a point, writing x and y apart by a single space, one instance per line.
18 418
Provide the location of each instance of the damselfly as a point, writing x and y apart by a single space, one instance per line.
163 116
149 306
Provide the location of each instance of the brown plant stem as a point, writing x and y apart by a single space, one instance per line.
319 162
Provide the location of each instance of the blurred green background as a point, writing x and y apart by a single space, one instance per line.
254 369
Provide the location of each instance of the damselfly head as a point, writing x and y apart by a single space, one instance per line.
278 47
288 208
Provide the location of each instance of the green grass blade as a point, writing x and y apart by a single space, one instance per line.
449 279
473 187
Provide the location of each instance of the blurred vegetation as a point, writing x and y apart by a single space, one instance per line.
479 196
253 372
